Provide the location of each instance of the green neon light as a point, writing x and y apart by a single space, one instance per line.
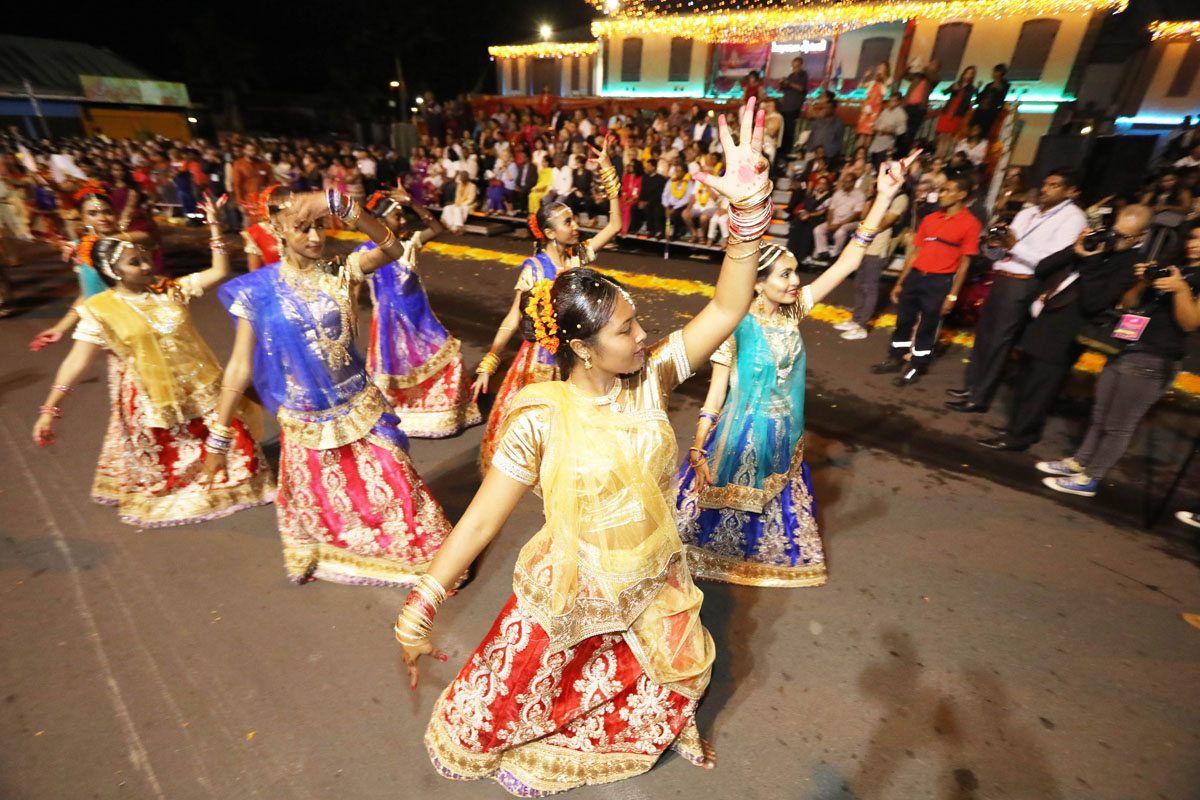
1038 108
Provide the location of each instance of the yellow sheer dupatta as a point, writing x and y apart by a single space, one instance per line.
609 558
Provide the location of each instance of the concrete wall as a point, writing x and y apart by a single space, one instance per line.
656 60
1156 101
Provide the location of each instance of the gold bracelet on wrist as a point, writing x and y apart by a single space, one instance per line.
351 218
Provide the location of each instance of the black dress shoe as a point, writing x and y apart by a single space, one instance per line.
910 376
1002 443
887 367
959 394
965 406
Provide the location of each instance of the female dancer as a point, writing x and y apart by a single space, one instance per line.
351 508
260 242
871 107
164 393
98 217
595 665
412 358
558 248
129 203
750 517
955 112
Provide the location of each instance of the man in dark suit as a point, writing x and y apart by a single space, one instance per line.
527 178
1074 285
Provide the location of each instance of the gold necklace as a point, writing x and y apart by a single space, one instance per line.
609 399
334 352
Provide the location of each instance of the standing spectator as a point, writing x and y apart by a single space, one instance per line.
1035 233
877 84
772 130
752 86
958 105
1133 381
916 100
991 101
1075 284
845 207
1169 198
934 270
251 175
889 127
545 102
795 90
866 279
825 130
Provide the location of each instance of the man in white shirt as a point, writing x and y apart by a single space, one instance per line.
1036 232
1190 160
676 197
845 208
889 126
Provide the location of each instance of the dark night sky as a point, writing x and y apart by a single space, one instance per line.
344 47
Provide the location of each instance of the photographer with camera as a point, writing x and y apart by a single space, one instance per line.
1074 285
1160 310
1035 233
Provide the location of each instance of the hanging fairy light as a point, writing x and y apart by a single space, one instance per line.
755 24
1175 30
544 50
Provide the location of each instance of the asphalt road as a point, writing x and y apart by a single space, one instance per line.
978 638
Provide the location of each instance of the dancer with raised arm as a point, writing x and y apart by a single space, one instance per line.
412 357
745 505
351 508
596 663
556 234
164 389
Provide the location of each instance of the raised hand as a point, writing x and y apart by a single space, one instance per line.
891 174
601 153
745 168
212 208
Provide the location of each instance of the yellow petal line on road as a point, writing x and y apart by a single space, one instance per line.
1186 382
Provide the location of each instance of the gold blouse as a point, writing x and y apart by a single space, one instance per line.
609 558
153 334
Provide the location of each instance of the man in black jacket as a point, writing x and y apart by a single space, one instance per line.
1074 285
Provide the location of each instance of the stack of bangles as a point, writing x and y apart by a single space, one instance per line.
710 415
610 182
53 411
220 438
415 622
489 364
864 236
703 454
351 211
750 217
217 245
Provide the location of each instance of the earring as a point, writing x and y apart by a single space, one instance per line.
587 361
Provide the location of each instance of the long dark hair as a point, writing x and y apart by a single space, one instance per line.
583 301
540 222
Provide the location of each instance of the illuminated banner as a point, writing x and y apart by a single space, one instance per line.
133 91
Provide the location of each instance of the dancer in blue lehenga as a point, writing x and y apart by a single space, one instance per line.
745 506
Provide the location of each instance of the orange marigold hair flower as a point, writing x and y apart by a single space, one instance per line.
91 189
540 309
534 229
264 201
84 253
374 200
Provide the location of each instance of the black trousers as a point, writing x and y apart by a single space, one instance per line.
655 217
789 135
921 296
1004 315
916 115
1038 385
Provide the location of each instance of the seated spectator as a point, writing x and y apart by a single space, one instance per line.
845 207
825 129
809 212
973 145
676 198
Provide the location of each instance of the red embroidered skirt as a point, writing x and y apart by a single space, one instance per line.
357 514
526 369
154 476
540 722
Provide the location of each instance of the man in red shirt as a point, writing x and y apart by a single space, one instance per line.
933 274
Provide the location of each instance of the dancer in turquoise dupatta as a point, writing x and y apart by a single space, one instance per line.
745 506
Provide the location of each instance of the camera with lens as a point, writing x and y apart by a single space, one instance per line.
1155 272
1100 239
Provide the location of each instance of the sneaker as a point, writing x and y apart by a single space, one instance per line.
885 367
1067 467
1188 518
848 325
855 333
1080 485
910 377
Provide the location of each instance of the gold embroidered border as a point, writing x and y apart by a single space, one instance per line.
541 767
330 428
590 616
439 424
195 504
301 559
747 498
711 566
436 363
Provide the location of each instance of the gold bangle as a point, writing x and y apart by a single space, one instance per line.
351 218
756 198
223 431
488 364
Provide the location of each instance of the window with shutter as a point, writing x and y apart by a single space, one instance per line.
874 51
1185 76
1033 49
631 60
681 59
949 46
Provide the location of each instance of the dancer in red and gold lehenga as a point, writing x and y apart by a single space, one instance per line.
595 665
412 357
351 507
558 248
164 388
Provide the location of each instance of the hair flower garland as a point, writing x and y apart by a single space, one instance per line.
84 253
534 229
540 309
